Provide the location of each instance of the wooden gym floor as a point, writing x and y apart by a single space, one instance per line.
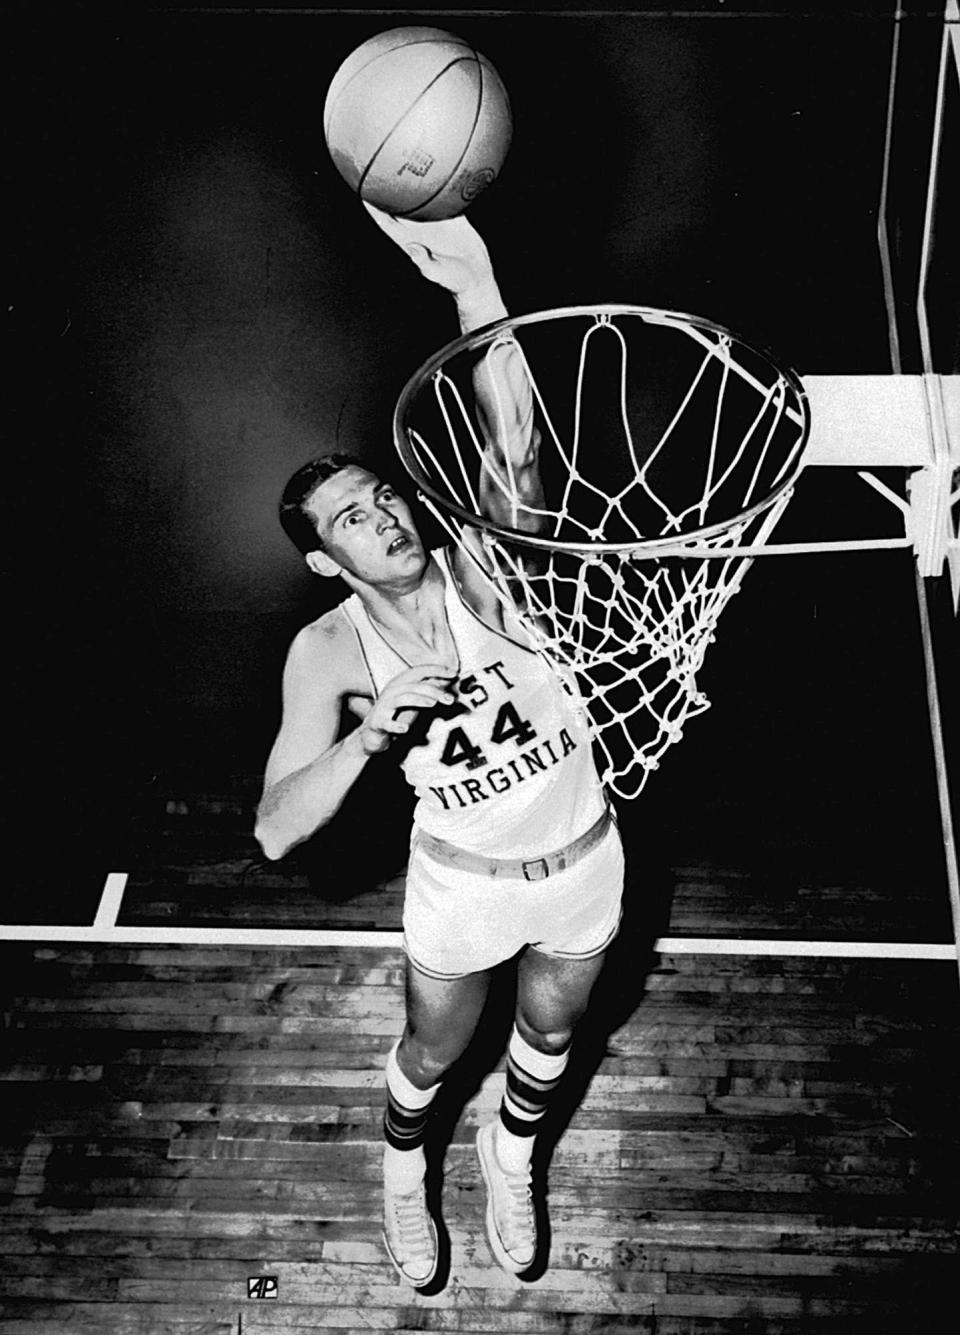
746 1144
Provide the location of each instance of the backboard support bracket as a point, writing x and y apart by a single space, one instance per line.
898 421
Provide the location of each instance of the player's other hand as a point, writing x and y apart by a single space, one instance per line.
450 251
416 688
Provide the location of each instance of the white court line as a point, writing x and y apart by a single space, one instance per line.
880 950
111 899
271 937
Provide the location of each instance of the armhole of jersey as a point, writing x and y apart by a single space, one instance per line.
445 555
363 653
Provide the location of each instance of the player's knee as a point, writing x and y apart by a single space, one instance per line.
423 1062
551 1039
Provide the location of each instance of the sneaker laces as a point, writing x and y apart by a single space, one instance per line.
517 1226
411 1222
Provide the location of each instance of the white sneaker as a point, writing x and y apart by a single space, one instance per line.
511 1221
410 1235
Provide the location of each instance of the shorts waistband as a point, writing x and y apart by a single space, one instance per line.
526 869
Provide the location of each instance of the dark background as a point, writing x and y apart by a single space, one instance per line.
196 305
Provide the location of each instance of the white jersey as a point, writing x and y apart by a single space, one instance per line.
506 771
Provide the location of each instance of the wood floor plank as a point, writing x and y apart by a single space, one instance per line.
759 1144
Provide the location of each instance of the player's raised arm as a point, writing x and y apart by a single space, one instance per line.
452 254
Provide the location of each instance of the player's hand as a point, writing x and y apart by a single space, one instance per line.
450 251
416 688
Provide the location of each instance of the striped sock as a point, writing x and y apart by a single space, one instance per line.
405 1126
532 1076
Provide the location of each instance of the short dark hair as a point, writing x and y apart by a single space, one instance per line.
299 526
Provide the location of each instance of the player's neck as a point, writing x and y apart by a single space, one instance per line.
417 613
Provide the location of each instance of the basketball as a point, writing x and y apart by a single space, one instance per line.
417 122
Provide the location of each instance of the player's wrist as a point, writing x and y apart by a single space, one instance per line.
480 304
369 740
361 743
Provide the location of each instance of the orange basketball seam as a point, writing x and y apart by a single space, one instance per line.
395 127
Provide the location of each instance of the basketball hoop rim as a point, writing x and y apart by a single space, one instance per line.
671 544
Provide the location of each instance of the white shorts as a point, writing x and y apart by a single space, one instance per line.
456 922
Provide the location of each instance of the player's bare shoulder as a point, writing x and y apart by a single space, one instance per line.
325 653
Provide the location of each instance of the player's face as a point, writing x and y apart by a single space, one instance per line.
367 528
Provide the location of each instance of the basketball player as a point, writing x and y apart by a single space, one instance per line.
513 852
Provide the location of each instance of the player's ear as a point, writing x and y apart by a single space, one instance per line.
322 564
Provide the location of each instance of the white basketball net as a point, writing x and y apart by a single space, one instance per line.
655 505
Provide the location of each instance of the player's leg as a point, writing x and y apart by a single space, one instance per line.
552 995
442 1015
580 917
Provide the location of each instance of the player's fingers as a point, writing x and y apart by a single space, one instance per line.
420 699
400 230
382 219
431 670
433 686
437 693
401 721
